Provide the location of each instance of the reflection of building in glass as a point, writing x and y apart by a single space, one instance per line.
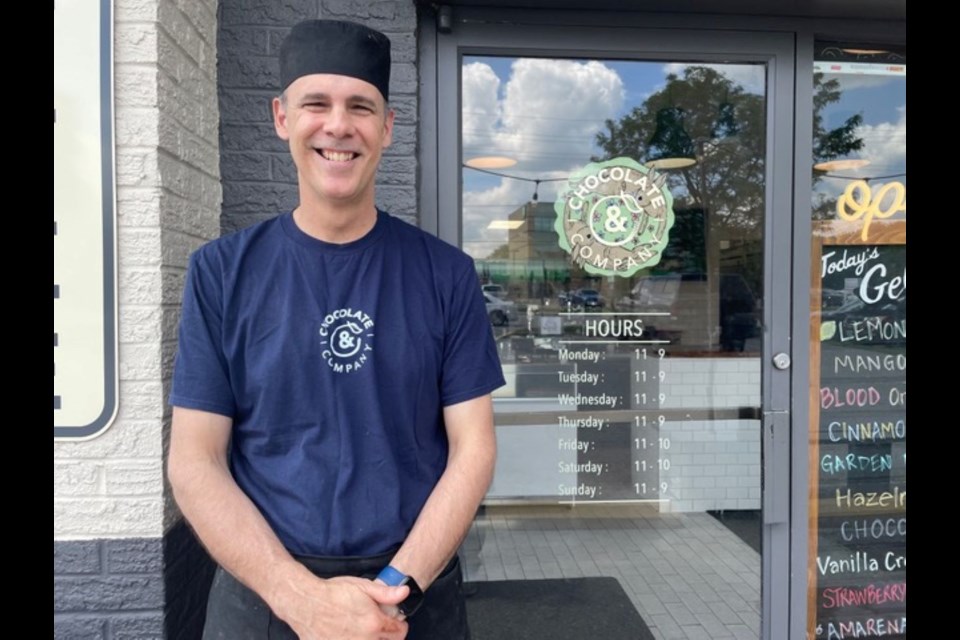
531 262
536 238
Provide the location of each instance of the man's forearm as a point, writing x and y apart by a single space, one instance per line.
446 517
239 538
230 526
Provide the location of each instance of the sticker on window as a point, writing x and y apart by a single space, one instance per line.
614 217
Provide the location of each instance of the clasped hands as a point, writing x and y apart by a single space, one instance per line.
345 608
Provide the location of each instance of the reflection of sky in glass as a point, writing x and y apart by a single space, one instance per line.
546 113
882 101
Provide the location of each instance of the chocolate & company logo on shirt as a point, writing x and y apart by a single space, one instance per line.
346 339
614 217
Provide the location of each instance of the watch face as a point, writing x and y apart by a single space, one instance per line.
413 601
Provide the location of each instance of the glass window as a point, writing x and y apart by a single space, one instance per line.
858 440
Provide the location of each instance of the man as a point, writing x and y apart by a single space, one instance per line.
346 359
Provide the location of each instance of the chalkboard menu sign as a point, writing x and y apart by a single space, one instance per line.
858 524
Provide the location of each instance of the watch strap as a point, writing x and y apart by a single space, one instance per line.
392 577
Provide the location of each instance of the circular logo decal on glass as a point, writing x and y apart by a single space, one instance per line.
614 217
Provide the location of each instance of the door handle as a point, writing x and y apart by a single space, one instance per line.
775 481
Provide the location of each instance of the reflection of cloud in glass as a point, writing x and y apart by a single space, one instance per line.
480 207
481 104
548 117
545 115
885 146
750 77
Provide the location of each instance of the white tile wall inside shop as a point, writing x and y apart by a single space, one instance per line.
711 383
714 464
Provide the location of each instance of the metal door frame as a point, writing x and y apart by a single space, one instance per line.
526 34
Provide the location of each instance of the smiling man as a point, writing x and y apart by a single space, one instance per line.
332 427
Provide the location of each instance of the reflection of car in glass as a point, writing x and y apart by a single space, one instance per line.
500 312
581 298
684 296
840 302
739 314
843 313
496 290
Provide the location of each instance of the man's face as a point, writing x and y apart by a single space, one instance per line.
337 127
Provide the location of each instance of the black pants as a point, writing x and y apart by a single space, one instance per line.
234 612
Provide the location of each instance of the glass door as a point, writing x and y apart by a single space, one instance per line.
618 205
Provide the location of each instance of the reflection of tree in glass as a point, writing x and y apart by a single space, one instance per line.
830 144
835 143
707 117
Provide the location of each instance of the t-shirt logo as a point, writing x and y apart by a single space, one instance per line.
346 339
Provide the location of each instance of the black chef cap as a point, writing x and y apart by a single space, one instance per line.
338 47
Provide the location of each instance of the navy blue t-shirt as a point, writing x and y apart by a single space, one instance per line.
334 362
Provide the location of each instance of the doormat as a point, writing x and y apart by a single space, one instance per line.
556 609
745 523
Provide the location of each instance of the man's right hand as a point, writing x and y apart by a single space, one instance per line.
240 540
343 608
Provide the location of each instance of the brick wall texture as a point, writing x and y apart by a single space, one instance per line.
259 179
131 588
168 203
107 589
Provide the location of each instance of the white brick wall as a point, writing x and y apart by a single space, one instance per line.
168 199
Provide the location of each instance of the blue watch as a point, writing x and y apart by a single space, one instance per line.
394 578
